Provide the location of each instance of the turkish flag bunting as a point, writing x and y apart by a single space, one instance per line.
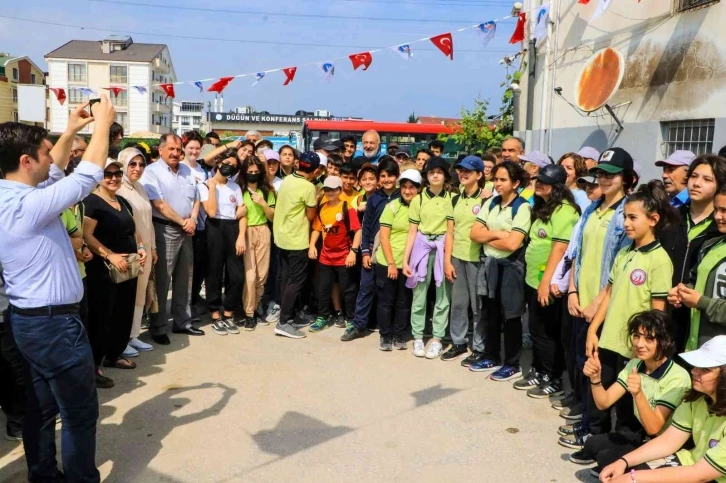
169 89
445 44
220 84
363 59
518 34
289 74
115 90
60 94
585 2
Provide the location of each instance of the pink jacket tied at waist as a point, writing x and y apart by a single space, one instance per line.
419 260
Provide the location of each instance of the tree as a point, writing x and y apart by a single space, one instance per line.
412 119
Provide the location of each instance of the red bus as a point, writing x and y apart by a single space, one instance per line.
403 133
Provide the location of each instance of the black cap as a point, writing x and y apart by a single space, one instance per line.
614 161
552 174
438 162
309 162
324 143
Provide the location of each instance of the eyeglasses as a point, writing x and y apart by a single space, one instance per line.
134 164
113 174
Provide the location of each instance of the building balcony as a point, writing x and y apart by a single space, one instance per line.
159 107
159 65
159 129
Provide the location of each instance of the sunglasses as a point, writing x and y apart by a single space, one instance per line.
134 164
113 174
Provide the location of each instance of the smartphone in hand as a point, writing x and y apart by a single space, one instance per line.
90 106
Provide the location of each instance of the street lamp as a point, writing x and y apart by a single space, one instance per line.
516 90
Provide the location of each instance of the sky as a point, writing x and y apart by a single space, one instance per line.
429 85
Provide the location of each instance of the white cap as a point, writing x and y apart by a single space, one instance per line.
323 159
412 175
332 182
111 161
711 354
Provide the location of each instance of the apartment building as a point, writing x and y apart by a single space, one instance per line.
187 116
15 71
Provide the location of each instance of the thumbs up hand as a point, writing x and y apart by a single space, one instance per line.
634 382
592 367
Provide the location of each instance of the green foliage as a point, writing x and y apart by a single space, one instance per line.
412 119
125 142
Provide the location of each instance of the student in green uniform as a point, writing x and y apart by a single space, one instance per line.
502 226
489 161
393 297
704 297
431 217
638 282
554 215
462 263
701 417
656 383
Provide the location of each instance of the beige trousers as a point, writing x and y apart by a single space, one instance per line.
257 264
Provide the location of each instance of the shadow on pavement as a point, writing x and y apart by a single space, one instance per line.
296 432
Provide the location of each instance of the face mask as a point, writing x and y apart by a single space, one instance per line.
254 177
227 170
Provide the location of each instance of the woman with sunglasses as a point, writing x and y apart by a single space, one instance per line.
110 232
132 191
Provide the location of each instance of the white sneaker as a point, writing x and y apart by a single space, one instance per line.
434 351
130 352
273 313
419 349
140 346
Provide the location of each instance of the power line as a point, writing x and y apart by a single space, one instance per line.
444 3
243 41
280 14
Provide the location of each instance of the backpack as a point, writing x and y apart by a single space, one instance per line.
518 201
346 219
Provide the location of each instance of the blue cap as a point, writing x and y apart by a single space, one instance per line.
472 163
309 162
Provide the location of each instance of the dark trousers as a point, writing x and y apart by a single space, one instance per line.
83 304
544 327
293 272
199 274
61 378
394 303
13 397
568 346
110 313
327 276
366 298
512 328
582 383
600 422
222 259
272 290
608 448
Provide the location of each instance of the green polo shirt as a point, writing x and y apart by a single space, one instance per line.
695 229
431 212
291 226
72 219
255 213
543 235
665 386
500 219
707 430
466 209
395 217
638 276
593 241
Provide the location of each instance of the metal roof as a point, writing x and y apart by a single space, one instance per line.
91 50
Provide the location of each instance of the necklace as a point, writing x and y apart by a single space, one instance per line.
106 197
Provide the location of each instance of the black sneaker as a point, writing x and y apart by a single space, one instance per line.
454 352
473 358
386 343
546 388
532 379
575 441
352 332
338 320
565 402
250 323
568 429
219 327
230 324
573 413
11 435
103 382
582 458
595 471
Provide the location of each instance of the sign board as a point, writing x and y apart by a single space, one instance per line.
31 103
259 118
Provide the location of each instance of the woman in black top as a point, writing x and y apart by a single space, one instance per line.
110 233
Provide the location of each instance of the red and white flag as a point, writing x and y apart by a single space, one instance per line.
168 89
220 85
445 43
363 59
289 74
518 34
60 94
115 90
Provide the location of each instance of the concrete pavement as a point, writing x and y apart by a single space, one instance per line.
255 407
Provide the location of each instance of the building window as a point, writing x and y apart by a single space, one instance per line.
76 73
119 74
121 100
75 96
15 74
695 135
15 116
32 78
682 5
185 121
15 95
123 119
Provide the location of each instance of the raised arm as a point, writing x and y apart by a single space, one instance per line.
61 152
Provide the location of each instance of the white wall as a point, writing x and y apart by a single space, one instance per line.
58 77
139 108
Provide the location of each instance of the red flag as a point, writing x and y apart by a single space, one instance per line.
289 74
445 44
518 34
363 59
220 84
60 94
115 90
169 89
585 2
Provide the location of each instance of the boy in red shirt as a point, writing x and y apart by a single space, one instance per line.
338 224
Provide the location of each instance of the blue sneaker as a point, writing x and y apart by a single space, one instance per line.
506 373
485 365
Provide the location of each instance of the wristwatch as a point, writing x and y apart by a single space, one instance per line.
354 249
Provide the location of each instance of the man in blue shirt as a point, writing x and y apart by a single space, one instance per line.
43 285
371 147
675 176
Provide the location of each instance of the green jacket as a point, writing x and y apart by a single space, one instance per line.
712 304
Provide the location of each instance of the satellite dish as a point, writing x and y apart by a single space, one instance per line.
599 79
